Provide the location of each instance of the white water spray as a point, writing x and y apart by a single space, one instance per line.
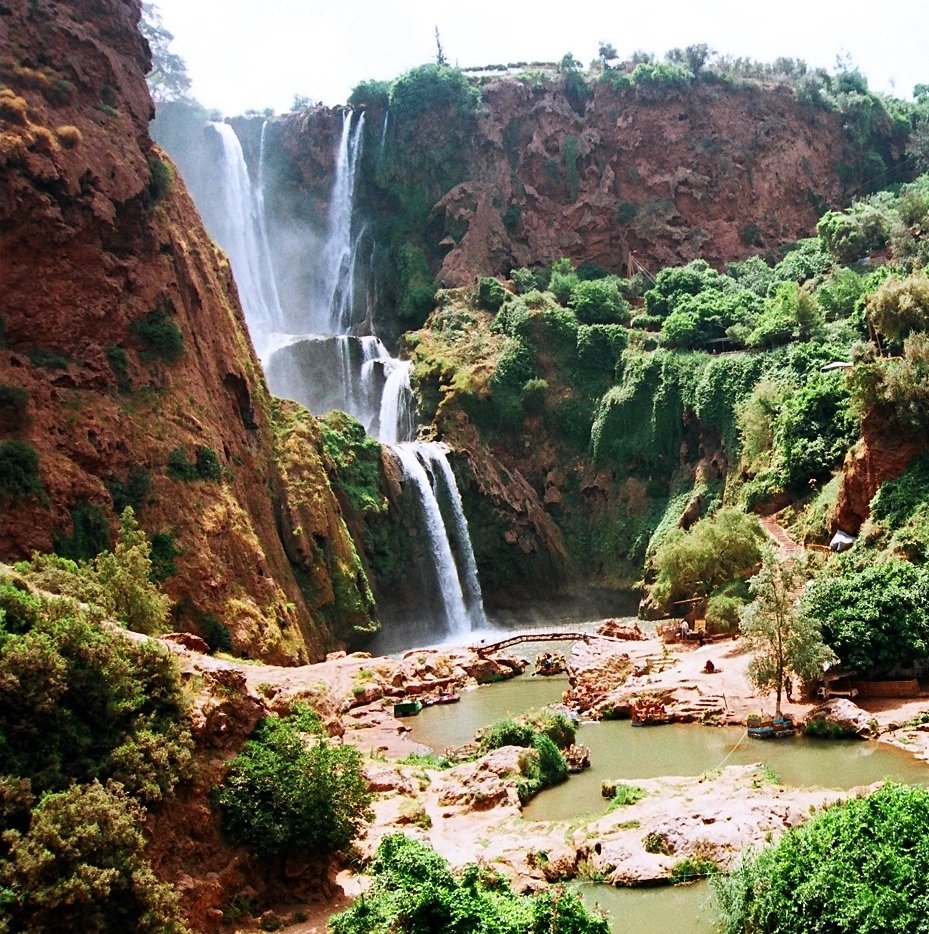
244 238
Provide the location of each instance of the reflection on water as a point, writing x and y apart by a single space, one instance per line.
675 909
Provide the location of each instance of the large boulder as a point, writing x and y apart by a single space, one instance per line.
839 718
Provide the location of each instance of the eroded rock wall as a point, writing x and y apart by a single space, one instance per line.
122 324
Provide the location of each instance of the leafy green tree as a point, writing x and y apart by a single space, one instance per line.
290 790
124 575
598 301
780 639
414 892
900 306
857 868
168 80
78 703
80 866
874 619
716 549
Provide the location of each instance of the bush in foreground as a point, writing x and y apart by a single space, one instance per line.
80 866
857 868
291 791
414 890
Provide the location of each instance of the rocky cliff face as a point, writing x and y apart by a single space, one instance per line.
632 178
123 328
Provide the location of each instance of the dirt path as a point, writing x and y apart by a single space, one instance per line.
786 546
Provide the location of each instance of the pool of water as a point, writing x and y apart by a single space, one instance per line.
620 751
673 909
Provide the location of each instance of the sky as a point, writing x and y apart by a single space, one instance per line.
254 54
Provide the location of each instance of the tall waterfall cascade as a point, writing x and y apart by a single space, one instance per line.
242 232
339 363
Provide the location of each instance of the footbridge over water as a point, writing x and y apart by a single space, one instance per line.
489 648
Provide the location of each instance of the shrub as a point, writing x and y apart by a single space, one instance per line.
490 294
160 180
81 704
119 364
69 136
49 359
857 868
370 93
414 890
284 795
14 403
80 866
90 533
204 466
432 88
598 301
159 336
717 549
901 306
125 577
133 491
625 795
215 633
163 551
19 470
874 619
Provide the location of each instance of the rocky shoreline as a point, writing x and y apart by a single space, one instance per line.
471 811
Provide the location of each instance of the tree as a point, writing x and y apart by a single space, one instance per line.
781 639
607 53
440 58
292 791
168 80
80 866
125 578
715 550
414 890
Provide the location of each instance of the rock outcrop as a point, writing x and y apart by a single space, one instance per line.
122 325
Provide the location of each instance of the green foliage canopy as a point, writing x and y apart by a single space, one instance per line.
857 868
80 866
291 790
874 619
414 892
715 550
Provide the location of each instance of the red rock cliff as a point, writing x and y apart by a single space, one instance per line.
98 235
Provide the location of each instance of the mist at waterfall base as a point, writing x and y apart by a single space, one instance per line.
312 322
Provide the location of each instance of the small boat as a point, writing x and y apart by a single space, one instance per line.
647 712
407 708
770 727
448 697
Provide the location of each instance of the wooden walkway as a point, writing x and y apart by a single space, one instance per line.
491 647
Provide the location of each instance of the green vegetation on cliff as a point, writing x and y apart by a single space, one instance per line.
93 733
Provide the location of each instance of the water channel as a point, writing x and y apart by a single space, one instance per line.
620 751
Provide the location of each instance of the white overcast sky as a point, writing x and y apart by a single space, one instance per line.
253 54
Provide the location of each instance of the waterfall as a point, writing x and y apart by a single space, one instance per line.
455 615
339 254
243 237
342 364
396 418
435 457
380 152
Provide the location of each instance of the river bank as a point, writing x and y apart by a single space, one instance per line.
471 811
